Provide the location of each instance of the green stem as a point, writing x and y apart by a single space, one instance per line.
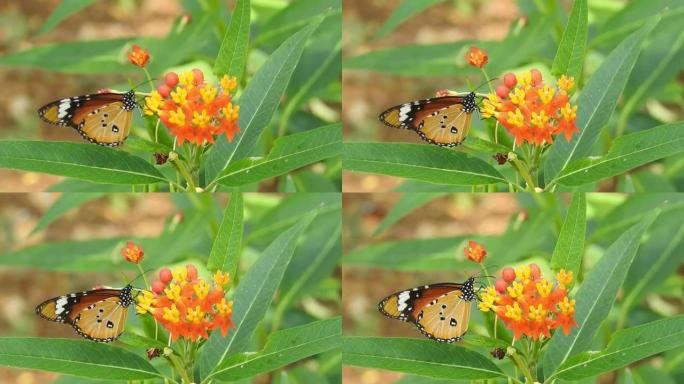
149 78
178 365
180 166
523 367
522 170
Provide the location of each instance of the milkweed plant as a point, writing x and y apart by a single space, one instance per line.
595 116
568 292
209 304
218 104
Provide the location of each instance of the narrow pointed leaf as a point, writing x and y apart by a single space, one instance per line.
417 161
225 252
81 161
65 9
625 347
405 10
289 153
417 357
597 102
232 55
596 296
253 297
75 357
259 102
61 206
284 347
570 55
570 245
627 152
407 204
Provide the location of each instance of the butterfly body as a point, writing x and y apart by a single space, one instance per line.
442 121
98 314
102 118
440 311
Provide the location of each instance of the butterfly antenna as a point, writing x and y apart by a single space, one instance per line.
144 82
140 275
486 82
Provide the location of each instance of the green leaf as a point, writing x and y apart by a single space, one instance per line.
632 210
65 9
284 347
405 10
296 15
597 102
659 259
134 340
410 255
75 357
634 15
99 56
259 102
447 59
596 295
627 152
105 254
570 245
232 55
289 153
252 298
225 251
82 161
417 357
658 65
405 205
319 66
625 347
419 161
570 55
61 206
314 259
447 253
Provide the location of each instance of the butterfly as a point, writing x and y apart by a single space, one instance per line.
102 118
442 121
98 314
441 311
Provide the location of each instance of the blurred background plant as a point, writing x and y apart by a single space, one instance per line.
397 51
397 241
55 244
286 55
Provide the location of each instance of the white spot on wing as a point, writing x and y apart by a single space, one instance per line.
403 298
63 107
404 111
59 305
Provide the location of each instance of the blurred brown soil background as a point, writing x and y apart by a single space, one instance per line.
366 94
22 289
25 90
451 215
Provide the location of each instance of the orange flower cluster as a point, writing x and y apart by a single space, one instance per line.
529 304
194 110
475 252
186 305
132 253
138 56
531 110
477 57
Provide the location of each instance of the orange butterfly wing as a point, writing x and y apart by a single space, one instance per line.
440 311
102 118
442 121
98 315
